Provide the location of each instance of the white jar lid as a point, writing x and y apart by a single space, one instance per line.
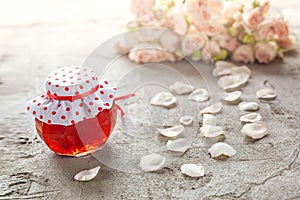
73 94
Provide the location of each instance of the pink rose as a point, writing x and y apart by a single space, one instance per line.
150 20
193 41
272 29
144 11
197 11
227 42
211 28
147 53
244 54
193 5
217 5
210 50
264 5
265 52
176 20
231 10
253 18
288 44
141 7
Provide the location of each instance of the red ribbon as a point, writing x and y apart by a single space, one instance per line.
81 96
73 98
124 97
121 98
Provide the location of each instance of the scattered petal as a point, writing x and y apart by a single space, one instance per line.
232 97
222 68
209 119
232 82
181 88
171 132
213 109
199 95
220 149
192 170
266 94
251 117
255 130
186 120
210 131
164 99
227 68
248 106
152 162
178 145
241 70
87 175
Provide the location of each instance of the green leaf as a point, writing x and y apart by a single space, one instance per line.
133 25
249 39
255 3
196 55
223 56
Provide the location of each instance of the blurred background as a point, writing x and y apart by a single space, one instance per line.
20 12
28 12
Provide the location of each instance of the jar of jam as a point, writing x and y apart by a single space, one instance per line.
76 114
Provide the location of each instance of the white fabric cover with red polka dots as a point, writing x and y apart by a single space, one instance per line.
69 82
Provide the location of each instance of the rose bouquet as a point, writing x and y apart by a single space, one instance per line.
243 30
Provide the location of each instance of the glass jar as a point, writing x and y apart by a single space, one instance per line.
76 114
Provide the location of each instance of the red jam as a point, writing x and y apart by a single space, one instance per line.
81 138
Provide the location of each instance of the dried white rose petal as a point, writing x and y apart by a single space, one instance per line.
220 149
248 106
171 132
181 88
255 130
87 175
209 119
213 109
164 99
227 68
186 120
178 145
266 94
192 170
241 70
251 117
199 95
152 162
210 131
232 96
232 82
222 68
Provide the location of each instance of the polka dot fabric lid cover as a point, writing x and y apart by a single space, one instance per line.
72 94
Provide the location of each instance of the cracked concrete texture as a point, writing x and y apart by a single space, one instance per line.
265 169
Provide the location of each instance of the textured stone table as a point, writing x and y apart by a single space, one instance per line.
265 169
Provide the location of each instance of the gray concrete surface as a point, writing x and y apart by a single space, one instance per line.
265 169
